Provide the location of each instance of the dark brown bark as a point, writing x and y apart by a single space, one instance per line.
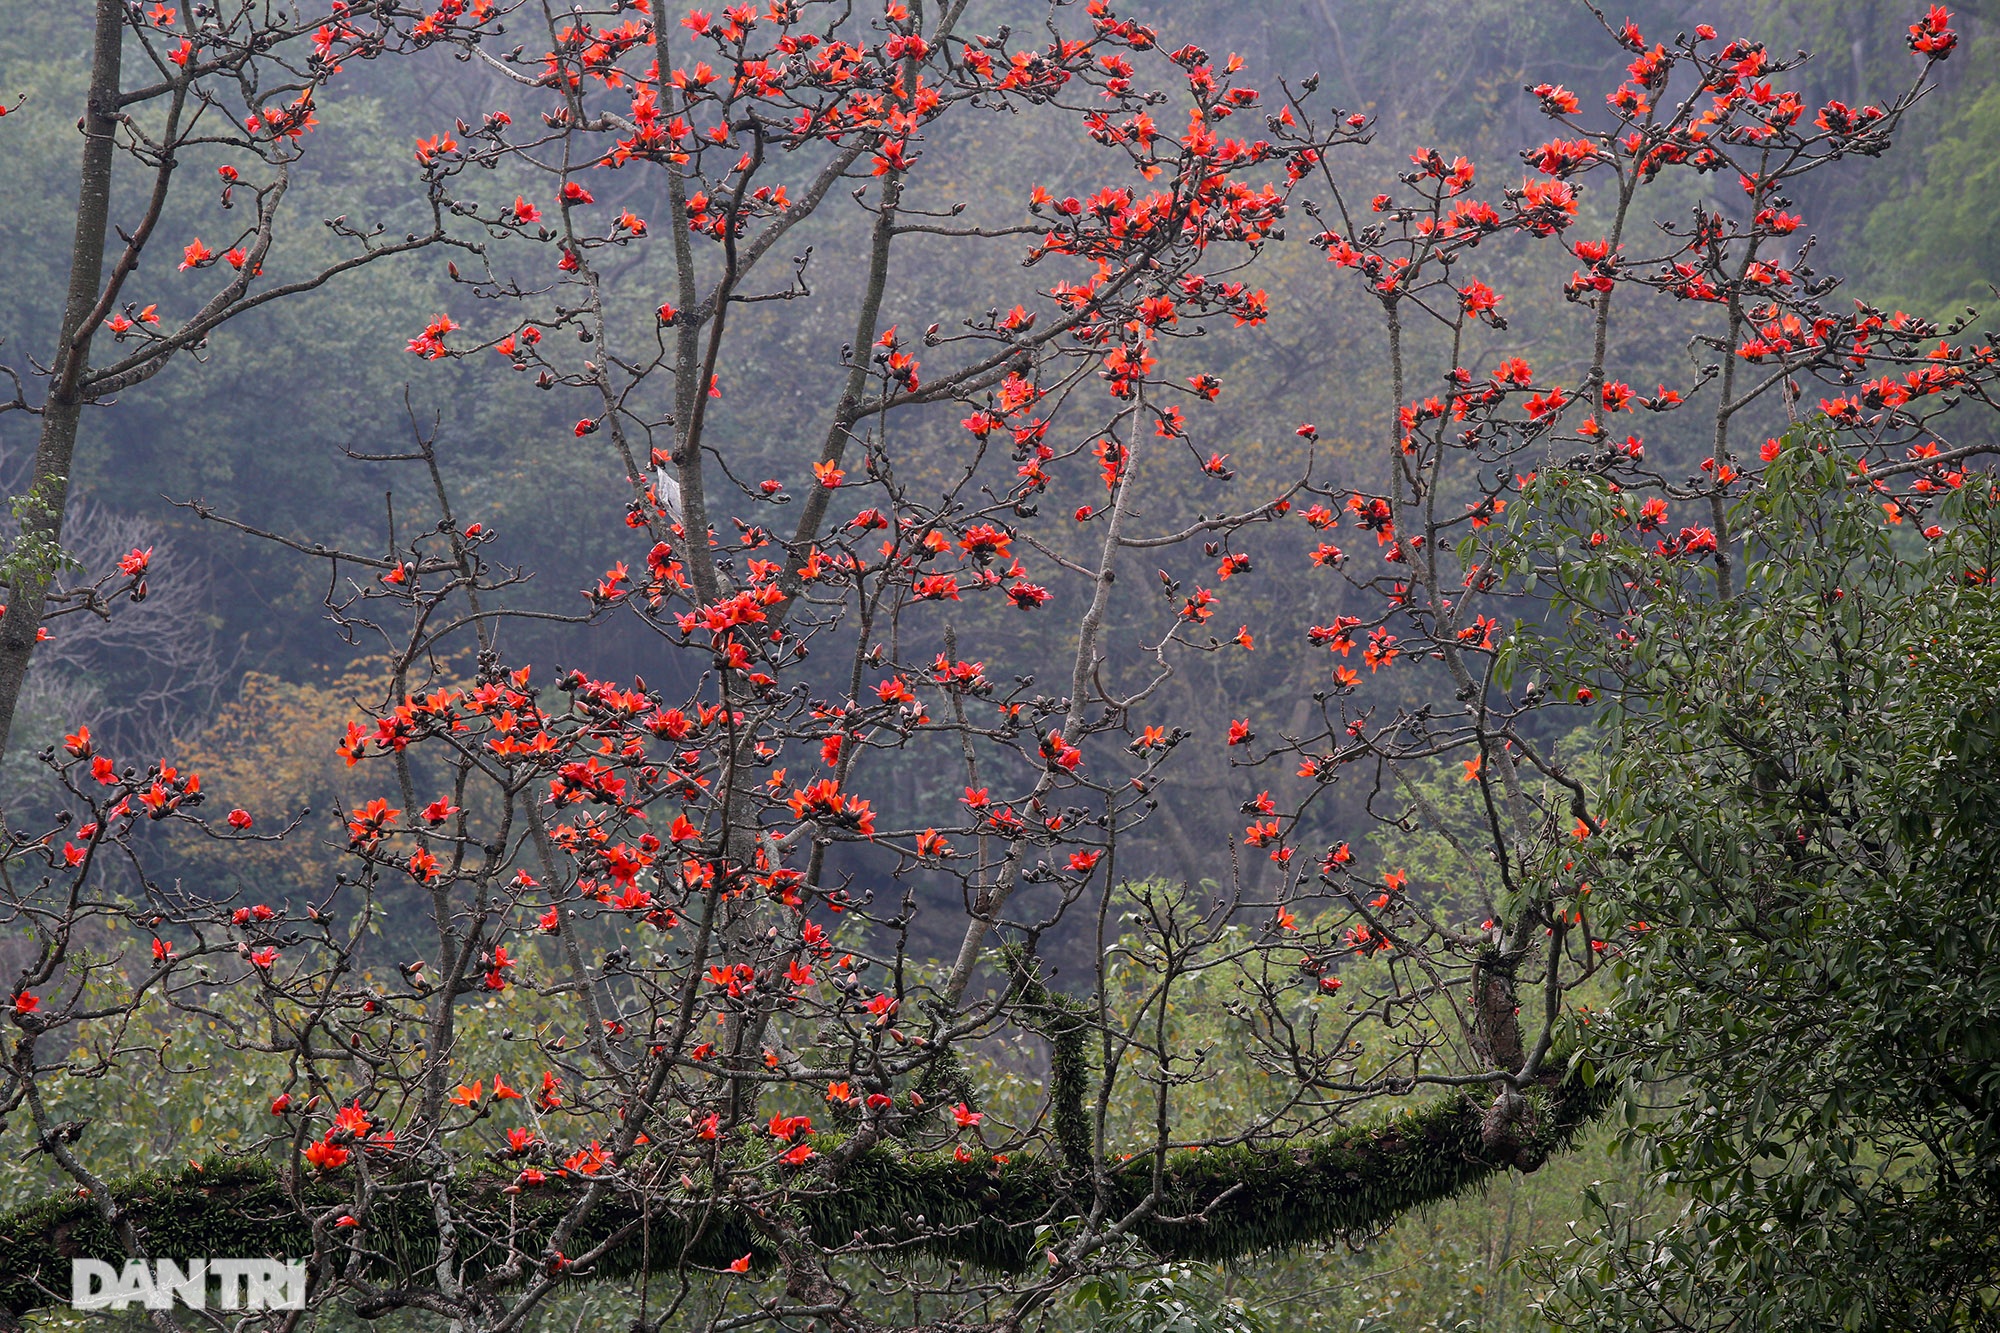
1496 1018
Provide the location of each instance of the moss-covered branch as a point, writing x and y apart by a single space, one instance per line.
1062 1020
1219 1204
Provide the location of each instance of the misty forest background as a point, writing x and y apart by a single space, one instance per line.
232 668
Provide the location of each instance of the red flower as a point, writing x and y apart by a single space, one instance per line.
1477 299
1932 34
587 1161
326 1155
1027 595
352 1122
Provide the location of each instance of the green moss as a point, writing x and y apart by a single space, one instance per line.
1062 1021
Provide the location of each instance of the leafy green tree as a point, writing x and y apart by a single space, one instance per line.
1807 880
1172 1298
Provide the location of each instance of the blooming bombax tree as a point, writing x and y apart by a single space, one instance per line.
700 909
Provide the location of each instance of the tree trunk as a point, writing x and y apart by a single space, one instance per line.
1496 1018
33 566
